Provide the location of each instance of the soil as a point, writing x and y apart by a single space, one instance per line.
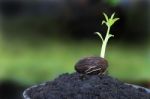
79 86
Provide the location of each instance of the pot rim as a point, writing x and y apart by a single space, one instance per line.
137 87
25 95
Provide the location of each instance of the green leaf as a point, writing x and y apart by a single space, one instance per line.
106 17
109 21
99 34
103 22
112 16
116 19
110 35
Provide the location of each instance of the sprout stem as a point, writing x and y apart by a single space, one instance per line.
103 49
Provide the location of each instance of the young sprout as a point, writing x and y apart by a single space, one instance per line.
108 22
97 65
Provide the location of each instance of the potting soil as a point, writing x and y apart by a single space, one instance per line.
79 86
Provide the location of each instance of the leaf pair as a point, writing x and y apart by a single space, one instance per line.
109 21
100 35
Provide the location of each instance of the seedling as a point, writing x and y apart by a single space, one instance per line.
97 65
108 22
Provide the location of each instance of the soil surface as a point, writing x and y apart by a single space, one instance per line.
78 86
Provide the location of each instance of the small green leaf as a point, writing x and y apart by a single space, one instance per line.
99 34
112 16
109 21
115 19
106 17
103 22
110 35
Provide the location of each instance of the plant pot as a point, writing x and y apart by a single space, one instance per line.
26 93
26 96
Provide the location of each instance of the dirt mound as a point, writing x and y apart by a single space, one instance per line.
78 86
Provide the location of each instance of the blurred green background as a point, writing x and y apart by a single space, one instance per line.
40 40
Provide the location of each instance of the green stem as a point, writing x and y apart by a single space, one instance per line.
103 49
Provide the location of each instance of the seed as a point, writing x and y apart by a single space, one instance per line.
91 65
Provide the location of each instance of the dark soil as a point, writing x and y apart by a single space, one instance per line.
77 86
